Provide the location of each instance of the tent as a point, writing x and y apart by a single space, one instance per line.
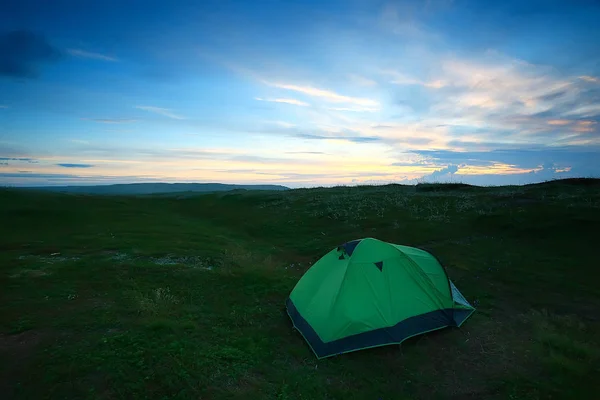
368 293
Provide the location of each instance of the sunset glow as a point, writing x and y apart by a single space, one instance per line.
372 93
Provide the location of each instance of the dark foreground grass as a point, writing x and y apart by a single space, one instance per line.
182 297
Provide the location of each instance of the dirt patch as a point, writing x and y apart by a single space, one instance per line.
166 260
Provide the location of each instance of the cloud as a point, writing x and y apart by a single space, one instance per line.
552 96
30 174
96 152
3 106
497 101
22 53
28 160
590 79
88 54
111 120
354 139
28 179
161 111
75 165
401 135
497 86
449 170
285 175
286 101
326 94
579 161
585 126
559 122
318 133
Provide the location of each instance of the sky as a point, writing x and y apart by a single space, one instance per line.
300 93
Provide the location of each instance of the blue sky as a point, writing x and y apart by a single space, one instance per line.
301 93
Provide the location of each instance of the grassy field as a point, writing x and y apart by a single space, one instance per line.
183 296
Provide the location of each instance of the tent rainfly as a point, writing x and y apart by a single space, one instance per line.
369 293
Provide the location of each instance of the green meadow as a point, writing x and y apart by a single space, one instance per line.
181 296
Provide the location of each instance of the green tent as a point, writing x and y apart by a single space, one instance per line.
369 293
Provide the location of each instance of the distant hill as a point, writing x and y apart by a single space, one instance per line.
154 188
569 181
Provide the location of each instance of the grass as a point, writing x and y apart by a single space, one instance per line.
179 297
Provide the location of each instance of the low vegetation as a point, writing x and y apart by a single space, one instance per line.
183 296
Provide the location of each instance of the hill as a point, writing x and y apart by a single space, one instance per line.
183 297
153 188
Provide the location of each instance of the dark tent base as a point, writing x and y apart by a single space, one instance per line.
379 337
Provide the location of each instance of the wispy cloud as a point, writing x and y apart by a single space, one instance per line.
92 55
161 111
28 160
499 82
3 106
111 120
355 139
346 134
286 101
559 122
28 178
96 152
591 79
499 99
327 95
585 126
68 165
